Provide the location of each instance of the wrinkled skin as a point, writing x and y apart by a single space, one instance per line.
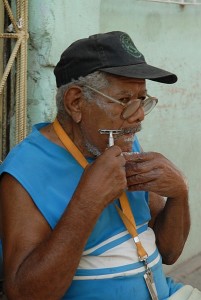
153 172
113 177
36 258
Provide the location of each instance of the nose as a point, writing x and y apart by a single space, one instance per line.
137 116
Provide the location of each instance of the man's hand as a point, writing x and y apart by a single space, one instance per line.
105 179
151 171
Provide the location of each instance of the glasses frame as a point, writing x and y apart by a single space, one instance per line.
125 105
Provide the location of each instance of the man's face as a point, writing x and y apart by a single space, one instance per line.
103 114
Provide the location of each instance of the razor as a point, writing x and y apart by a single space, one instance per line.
111 134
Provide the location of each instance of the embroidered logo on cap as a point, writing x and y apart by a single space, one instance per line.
128 45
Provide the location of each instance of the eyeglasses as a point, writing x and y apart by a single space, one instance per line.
133 105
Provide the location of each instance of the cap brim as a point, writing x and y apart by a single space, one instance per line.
142 71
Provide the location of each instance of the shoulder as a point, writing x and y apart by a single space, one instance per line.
27 153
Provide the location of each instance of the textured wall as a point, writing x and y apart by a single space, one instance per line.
169 36
53 25
1 70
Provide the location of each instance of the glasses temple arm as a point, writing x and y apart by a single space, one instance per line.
106 96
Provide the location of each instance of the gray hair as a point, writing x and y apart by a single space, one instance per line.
97 80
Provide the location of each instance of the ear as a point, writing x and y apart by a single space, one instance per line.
72 102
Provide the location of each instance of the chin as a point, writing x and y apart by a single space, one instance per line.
126 143
127 147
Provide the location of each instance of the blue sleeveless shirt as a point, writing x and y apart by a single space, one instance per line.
109 267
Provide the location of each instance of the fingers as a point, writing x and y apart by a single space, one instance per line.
110 185
144 162
139 187
139 156
144 178
153 172
133 167
115 152
144 157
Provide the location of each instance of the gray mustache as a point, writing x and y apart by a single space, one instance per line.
130 130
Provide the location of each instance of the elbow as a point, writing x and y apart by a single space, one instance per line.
171 252
23 291
14 292
11 292
170 258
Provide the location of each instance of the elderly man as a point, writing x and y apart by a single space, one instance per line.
84 215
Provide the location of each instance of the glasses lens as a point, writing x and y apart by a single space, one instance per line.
149 104
131 108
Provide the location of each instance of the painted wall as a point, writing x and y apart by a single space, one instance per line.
1 71
169 36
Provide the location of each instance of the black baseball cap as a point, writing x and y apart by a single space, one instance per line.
112 52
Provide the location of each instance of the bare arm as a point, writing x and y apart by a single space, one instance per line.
40 263
171 223
170 219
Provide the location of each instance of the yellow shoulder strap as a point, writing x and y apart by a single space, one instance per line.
69 145
126 213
